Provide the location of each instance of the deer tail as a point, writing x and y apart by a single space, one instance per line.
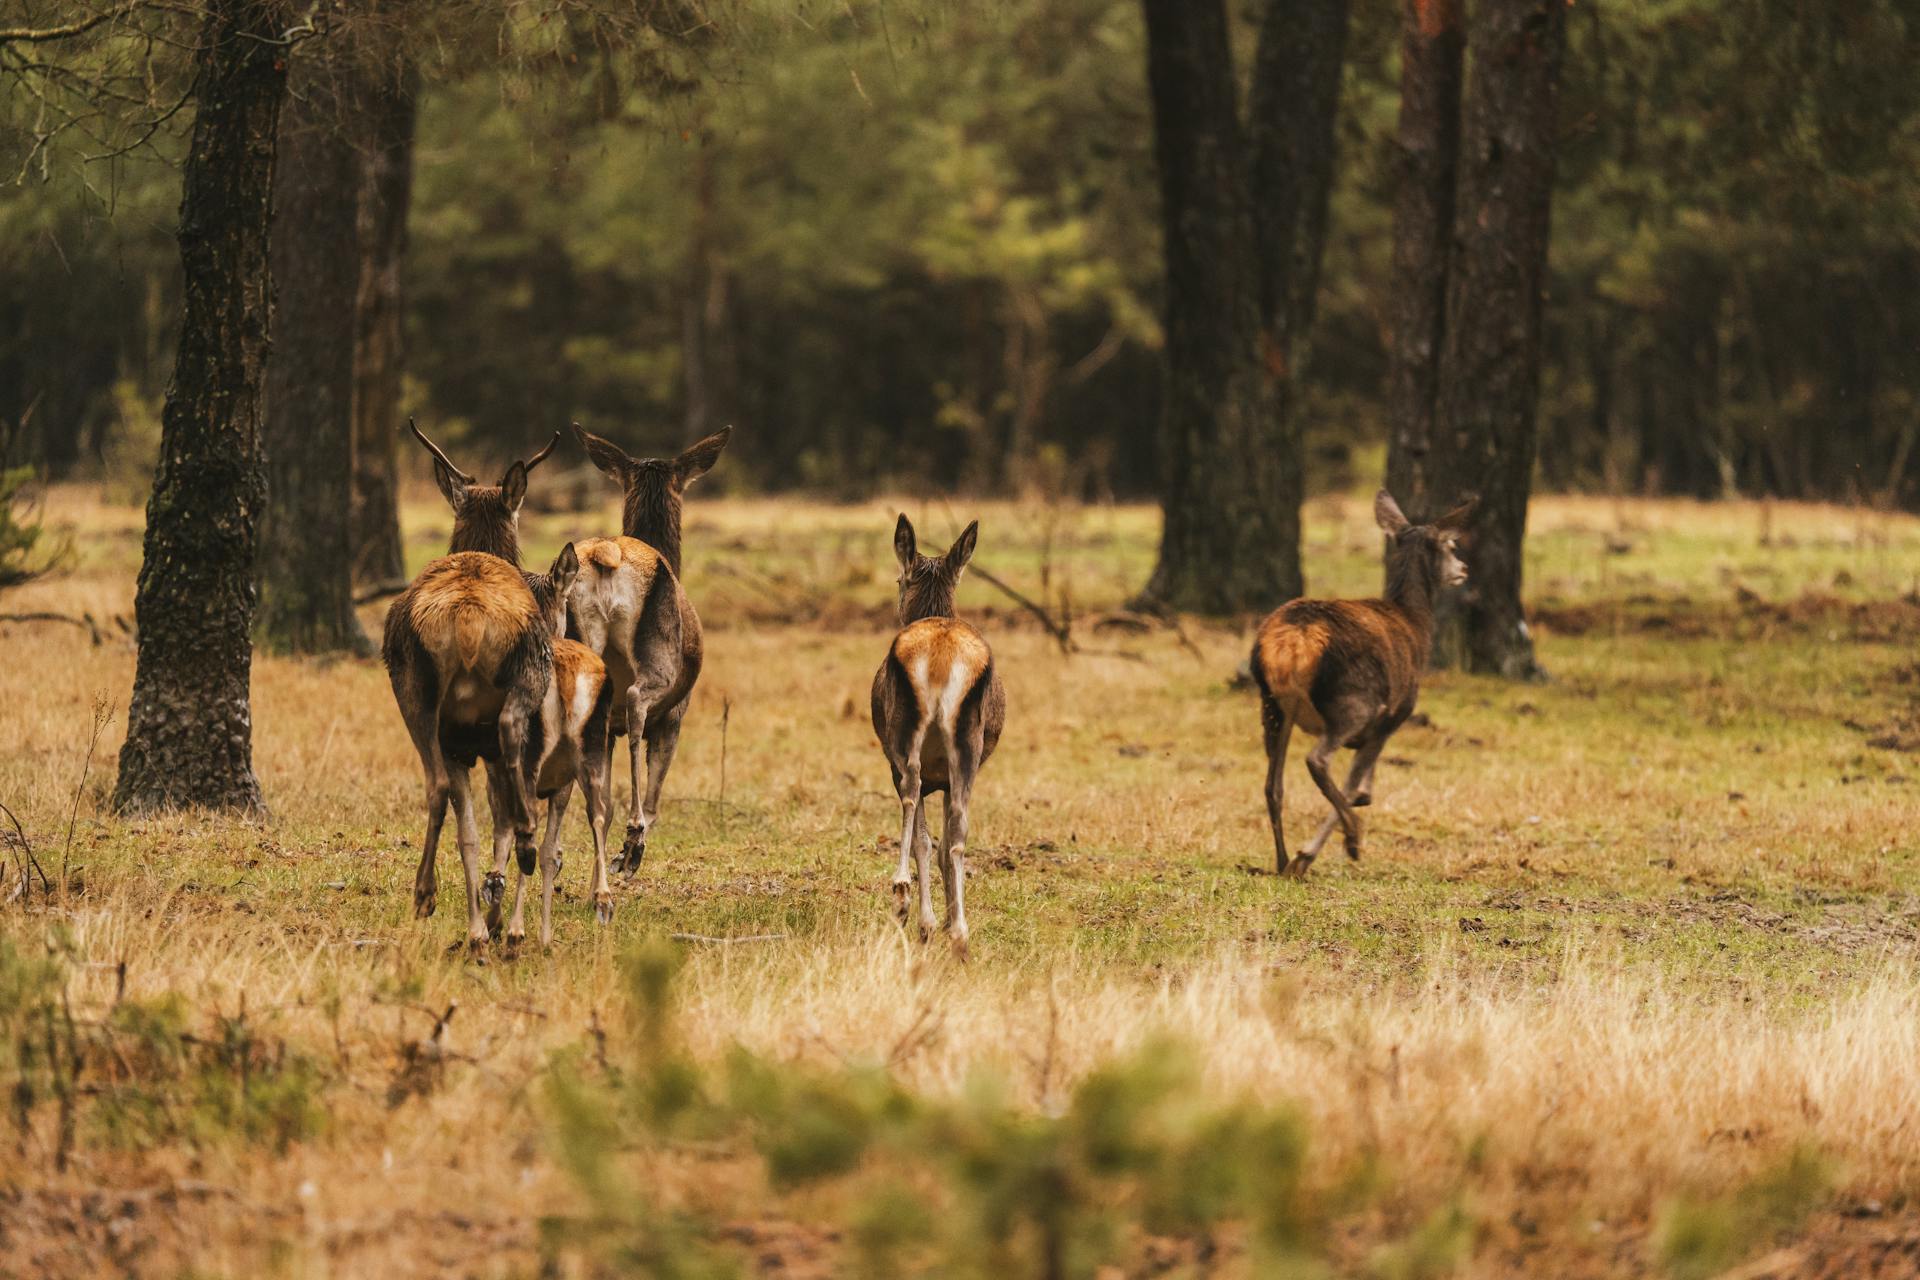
469 636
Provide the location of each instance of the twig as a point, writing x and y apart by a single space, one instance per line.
726 712
102 717
380 592
704 937
87 625
27 859
1059 631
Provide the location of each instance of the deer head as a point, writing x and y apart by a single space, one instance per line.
1422 558
928 583
486 517
653 487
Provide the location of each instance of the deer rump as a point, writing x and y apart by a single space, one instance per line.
938 672
469 627
1311 652
630 610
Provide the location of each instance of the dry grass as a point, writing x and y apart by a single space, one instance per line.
1631 936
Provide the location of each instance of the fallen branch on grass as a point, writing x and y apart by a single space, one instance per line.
380 591
1061 631
86 624
703 937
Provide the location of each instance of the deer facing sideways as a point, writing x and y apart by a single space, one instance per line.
1349 671
629 607
938 709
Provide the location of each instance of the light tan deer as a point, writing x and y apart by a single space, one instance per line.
938 709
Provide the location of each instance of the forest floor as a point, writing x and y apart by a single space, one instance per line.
1623 983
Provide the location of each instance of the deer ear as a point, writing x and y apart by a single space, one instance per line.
513 486
451 485
566 568
962 549
699 458
604 454
905 547
1457 518
1387 514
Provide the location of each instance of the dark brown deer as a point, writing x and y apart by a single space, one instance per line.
938 709
469 657
1349 671
630 608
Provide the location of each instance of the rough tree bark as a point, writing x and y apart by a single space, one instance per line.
190 726
306 550
1230 541
389 90
1432 38
1490 367
1291 114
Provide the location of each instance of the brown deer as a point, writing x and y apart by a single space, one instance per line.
938 709
630 608
1349 670
571 744
470 659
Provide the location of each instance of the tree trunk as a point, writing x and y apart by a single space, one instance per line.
1230 542
712 369
1429 143
190 727
1490 369
379 358
306 549
1292 109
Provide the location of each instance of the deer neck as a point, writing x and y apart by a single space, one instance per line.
654 518
928 600
1412 587
491 533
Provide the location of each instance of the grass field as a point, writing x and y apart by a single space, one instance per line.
1623 984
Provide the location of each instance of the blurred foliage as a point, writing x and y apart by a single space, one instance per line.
970 1186
1697 1238
141 1074
914 244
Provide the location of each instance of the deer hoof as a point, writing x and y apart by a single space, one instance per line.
529 856
627 862
1297 869
477 948
603 908
423 903
960 948
492 890
900 911
1353 850
1362 800
510 945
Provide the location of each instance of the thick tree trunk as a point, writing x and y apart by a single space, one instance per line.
1231 538
1291 113
1490 370
306 550
386 188
1432 38
190 726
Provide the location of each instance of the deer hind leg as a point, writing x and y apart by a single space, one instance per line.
1278 729
596 785
516 718
1318 766
549 854
641 698
662 742
493 889
907 782
460 784
416 689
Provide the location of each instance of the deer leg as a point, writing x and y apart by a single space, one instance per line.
1317 762
1279 728
594 783
627 862
908 784
425 884
515 719
1357 776
467 832
660 748
500 804
953 861
549 856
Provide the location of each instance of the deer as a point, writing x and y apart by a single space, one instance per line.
938 710
1349 671
571 745
630 608
486 517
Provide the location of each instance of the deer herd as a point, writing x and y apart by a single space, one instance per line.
535 674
